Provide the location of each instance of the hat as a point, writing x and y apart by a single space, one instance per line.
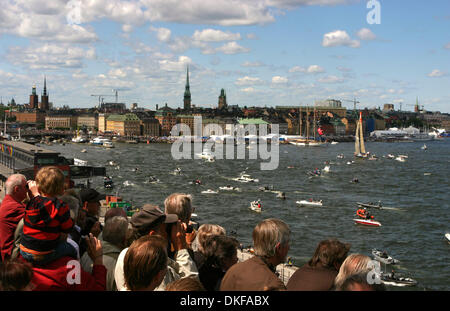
91 195
149 215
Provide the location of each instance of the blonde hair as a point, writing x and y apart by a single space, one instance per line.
185 284
179 204
353 264
205 231
50 181
267 234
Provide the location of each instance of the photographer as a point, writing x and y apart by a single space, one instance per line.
150 220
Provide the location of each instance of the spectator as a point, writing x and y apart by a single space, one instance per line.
358 282
74 237
66 274
188 284
145 263
11 212
15 275
47 219
321 270
271 246
180 204
353 264
150 220
198 245
110 213
221 254
114 241
90 202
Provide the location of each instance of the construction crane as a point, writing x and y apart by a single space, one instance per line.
352 101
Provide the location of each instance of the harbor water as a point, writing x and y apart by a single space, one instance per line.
415 192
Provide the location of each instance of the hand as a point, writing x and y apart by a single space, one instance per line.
94 249
178 235
96 229
32 188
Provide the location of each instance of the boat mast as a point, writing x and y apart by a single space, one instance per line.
363 149
314 123
307 124
300 119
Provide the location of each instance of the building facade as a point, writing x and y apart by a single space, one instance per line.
89 122
60 122
125 125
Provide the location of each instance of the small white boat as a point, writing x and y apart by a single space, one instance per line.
79 162
382 256
334 143
256 206
400 159
127 183
397 280
424 147
210 191
79 139
245 178
229 188
112 163
108 144
367 222
310 203
340 156
204 155
84 151
390 156
447 236
326 169
177 171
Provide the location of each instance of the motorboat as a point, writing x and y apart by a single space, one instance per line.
281 195
209 191
79 162
112 163
108 182
334 143
395 279
99 141
447 236
390 156
83 150
177 171
229 188
367 222
266 188
326 169
370 205
314 173
400 159
373 158
79 139
340 156
108 144
256 206
205 155
153 180
245 178
424 147
127 183
383 257
310 203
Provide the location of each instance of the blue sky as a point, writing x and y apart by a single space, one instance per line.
262 52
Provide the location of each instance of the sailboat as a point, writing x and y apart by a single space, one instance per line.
307 141
360 149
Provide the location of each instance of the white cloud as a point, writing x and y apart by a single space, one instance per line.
312 69
252 64
179 65
127 28
232 48
213 35
436 73
366 34
163 34
339 38
290 4
279 80
248 81
248 90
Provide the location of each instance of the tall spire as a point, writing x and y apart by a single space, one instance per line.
187 92
45 87
187 82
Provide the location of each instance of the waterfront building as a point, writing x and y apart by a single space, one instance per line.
388 107
124 124
88 121
60 122
113 107
34 116
150 127
254 121
167 119
187 93
102 122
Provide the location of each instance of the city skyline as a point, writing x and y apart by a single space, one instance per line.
261 52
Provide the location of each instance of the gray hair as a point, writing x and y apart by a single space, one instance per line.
13 181
74 204
267 234
115 230
353 264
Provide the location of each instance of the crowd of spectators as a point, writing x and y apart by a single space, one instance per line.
53 239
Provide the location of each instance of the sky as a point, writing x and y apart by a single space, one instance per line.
261 52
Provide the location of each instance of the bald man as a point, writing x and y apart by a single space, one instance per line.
11 212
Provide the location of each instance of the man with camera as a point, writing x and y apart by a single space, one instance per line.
150 220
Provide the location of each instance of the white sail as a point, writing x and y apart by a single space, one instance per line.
357 150
363 148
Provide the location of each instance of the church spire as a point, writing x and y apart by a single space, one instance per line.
187 92
45 87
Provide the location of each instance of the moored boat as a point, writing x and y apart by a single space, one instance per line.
382 256
395 279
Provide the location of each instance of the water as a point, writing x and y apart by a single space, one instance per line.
417 190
